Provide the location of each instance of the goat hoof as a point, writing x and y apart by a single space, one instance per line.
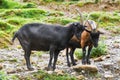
74 64
30 68
68 65
83 62
88 62
53 68
49 68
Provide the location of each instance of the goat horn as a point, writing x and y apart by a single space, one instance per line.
81 16
98 21
87 18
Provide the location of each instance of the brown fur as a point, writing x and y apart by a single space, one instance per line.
85 36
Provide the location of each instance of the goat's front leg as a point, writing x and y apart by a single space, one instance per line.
50 60
88 55
67 56
51 57
84 55
72 56
55 58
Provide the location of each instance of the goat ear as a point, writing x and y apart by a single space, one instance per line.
88 31
75 24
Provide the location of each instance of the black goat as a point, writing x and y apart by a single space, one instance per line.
87 38
45 37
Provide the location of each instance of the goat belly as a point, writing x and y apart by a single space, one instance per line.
74 44
40 47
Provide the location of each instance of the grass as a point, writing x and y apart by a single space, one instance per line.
41 75
3 75
60 20
100 50
10 4
96 52
38 53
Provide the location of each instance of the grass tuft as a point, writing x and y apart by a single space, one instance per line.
96 52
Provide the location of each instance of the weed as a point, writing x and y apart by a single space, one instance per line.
51 0
59 20
78 53
9 4
80 4
3 76
29 5
13 60
96 52
41 75
100 50
39 53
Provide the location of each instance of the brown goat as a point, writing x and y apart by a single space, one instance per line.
89 38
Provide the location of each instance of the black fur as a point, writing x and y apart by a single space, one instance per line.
45 37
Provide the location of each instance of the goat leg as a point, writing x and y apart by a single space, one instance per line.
27 58
50 60
55 59
72 56
67 56
84 55
88 55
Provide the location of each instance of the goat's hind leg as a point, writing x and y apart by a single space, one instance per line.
27 50
27 58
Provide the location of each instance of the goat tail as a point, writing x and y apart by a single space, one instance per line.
15 35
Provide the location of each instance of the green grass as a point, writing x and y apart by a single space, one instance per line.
38 53
78 53
60 20
41 75
4 76
10 4
100 50
96 52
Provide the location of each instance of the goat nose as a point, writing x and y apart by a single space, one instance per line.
96 45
